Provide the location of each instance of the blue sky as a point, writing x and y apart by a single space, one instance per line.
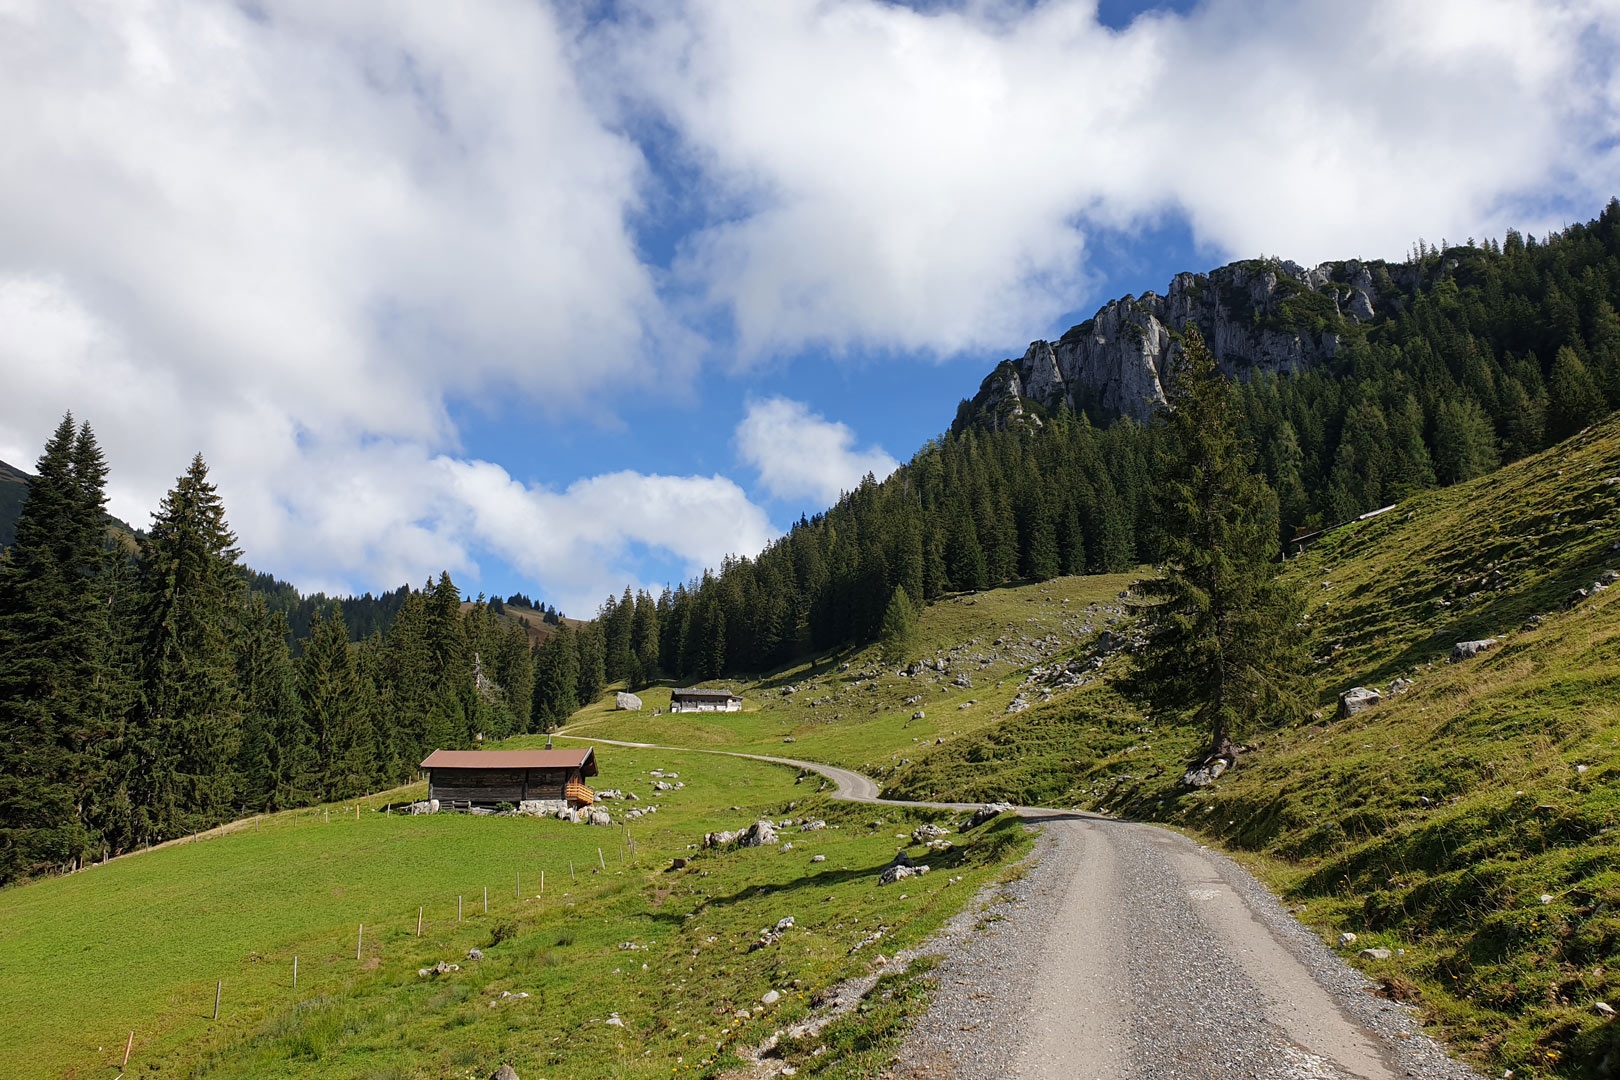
563 296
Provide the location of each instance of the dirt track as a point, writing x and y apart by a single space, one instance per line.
1130 952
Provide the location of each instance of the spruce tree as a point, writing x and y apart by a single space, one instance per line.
277 762
187 727
1223 649
54 676
898 635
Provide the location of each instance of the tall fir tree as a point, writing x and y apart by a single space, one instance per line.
1224 647
187 725
54 677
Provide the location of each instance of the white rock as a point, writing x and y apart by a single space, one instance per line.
1358 699
770 997
630 702
1346 940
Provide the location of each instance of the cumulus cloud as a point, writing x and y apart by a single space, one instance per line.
802 455
298 235
884 176
287 234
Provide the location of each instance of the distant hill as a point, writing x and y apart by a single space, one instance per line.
14 492
539 630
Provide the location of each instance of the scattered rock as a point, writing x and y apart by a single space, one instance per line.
986 812
1399 687
1603 1008
475 954
1375 954
1346 940
1467 650
790 739
818 858
899 872
613 1021
759 834
1546 898
922 834
1607 578
1207 773
787 846
1576 597
505 1072
770 997
718 839
919 715
1361 698
812 825
630 702
677 863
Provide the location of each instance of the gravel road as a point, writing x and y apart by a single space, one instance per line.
1129 952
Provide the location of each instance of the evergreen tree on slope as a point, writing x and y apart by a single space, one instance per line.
1224 649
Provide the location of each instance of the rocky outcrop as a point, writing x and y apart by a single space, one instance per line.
1261 315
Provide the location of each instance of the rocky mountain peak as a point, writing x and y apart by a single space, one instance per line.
1261 315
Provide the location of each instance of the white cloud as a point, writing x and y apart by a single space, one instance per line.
286 234
293 233
802 455
888 177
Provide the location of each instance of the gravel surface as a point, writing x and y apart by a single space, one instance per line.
1129 952
1165 995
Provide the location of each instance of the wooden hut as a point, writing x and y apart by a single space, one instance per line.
693 699
491 777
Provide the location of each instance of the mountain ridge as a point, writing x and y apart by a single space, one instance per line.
1258 315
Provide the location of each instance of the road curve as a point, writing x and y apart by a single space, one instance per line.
1130 952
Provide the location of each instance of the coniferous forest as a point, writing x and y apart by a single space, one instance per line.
155 688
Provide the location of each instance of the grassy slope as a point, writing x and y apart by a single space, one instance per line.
139 943
1435 822
862 717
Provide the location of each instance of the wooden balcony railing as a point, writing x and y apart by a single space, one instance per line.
578 792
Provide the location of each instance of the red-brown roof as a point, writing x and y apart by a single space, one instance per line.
512 759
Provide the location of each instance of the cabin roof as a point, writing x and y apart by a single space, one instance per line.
694 691
584 760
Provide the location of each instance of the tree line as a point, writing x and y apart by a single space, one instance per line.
1502 350
147 693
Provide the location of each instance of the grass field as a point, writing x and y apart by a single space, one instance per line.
139 944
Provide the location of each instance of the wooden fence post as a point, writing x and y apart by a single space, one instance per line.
601 860
542 883
127 1048
517 890
219 988
295 972
571 873
418 922
360 941
458 909
486 899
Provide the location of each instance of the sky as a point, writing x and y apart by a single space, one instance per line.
567 296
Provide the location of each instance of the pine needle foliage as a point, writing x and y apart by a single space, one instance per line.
1224 646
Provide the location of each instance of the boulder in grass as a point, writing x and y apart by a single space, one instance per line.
505 1072
1358 699
986 812
759 834
1467 650
628 702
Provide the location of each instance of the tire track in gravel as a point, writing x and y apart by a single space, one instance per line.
1130 952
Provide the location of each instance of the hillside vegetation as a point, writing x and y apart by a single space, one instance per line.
1471 820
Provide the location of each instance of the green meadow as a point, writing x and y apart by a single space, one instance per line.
141 943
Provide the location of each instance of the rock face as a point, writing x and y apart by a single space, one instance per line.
1260 315
629 702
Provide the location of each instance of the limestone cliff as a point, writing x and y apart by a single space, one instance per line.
1260 315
